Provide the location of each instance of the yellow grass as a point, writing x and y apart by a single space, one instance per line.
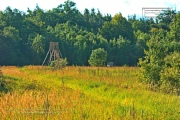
82 93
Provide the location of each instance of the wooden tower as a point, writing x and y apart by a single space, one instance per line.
53 54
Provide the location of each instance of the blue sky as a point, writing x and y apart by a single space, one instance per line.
126 7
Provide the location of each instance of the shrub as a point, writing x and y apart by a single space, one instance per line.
59 64
98 57
170 75
160 66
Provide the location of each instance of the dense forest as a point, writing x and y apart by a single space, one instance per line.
25 36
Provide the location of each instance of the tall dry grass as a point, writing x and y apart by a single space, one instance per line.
82 93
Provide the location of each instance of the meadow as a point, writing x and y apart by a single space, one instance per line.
82 93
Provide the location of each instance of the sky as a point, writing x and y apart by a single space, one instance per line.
126 7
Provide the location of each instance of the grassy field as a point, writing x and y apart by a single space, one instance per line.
80 93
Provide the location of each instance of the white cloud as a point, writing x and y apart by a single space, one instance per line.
105 6
24 4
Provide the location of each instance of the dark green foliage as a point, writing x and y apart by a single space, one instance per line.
170 75
25 37
116 27
98 57
120 51
3 87
59 64
160 66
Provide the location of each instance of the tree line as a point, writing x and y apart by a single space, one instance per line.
25 36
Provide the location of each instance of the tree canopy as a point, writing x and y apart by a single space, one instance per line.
98 57
25 36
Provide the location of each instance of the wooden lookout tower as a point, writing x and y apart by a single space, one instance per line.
53 54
